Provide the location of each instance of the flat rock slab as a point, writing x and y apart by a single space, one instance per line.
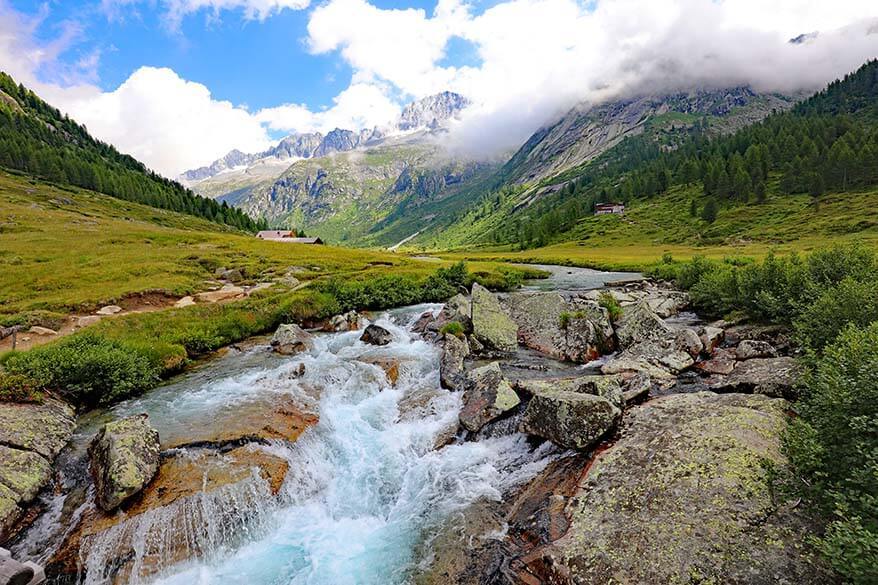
683 497
190 505
258 420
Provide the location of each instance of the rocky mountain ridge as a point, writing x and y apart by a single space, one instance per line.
586 132
427 114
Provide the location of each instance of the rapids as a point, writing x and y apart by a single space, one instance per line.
365 490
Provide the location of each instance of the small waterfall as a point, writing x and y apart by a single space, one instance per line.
204 526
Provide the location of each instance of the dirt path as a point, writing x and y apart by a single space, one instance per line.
146 302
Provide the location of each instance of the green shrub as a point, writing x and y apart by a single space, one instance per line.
454 328
609 302
833 444
848 302
86 368
18 388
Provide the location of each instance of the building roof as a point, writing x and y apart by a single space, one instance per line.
274 234
304 240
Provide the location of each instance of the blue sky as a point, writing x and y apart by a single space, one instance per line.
178 83
247 61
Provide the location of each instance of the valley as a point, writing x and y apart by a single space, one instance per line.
638 347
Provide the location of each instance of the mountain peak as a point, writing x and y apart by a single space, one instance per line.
430 112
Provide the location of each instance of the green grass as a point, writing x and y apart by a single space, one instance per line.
68 250
653 228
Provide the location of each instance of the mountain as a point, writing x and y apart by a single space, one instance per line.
345 197
343 184
429 113
821 153
39 140
585 132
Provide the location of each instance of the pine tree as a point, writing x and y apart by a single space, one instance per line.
710 211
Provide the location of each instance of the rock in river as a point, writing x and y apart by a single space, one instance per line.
770 376
491 325
577 330
376 335
570 419
291 339
124 458
451 372
684 497
487 396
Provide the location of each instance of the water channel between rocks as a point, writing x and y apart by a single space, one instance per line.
365 488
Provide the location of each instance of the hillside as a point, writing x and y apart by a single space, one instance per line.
827 145
70 249
585 133
348 196
39 140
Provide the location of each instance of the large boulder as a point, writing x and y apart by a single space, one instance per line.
770 376
43 428
576 330
124 458
491 325
639 324
454 352
31 435
487 396
291 339
376 335
685 496
574 420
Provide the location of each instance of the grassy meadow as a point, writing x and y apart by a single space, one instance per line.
652 228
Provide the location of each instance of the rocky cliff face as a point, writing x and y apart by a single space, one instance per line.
432 111
585 133
343 196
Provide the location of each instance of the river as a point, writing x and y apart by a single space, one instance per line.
365 490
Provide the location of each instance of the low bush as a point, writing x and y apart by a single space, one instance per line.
833 444
88 369
776 290
18 388
850 302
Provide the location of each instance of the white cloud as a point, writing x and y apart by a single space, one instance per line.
361 105
168 122
539 57
536 59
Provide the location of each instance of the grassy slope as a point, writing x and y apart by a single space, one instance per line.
71 249
653 227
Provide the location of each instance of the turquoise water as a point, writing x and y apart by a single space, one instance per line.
366 488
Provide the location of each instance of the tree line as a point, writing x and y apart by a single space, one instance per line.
39 140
